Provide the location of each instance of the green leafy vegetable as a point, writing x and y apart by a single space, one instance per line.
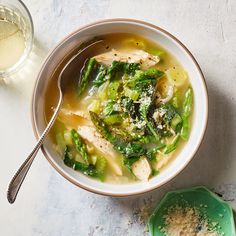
122 68
109 108
130 161
144 111
115 71
130 107
168 112
187 108
145 139
145 105
132 149
146 77
79 145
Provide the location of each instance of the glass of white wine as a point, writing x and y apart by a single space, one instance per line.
16 36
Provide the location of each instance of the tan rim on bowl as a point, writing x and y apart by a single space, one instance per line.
37 134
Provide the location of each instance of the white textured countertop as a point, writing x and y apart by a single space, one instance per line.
49 205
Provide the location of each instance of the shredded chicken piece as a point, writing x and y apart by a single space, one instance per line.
145 59
75 112
142 169
73 118
162 160
91 135
165 92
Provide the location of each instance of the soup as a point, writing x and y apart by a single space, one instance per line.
126 114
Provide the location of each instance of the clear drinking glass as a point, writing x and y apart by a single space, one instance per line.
15 14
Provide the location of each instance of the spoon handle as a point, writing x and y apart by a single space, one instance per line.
19 177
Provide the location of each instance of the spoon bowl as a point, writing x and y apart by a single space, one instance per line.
63 78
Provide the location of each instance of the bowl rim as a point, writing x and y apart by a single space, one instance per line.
144 23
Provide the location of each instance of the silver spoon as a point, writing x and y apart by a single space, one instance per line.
20 175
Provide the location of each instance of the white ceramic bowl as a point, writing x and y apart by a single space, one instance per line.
153 33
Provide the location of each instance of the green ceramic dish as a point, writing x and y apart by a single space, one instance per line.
209 204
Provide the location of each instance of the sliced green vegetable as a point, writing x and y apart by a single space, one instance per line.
113 90
89 66
101 164
113 119
151 154
132 94
176 123
187 108
86 169
171 147
79 145
176 100
187 104
185 129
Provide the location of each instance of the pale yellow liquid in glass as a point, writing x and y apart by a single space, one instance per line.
12 44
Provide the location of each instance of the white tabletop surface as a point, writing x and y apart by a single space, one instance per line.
49 205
